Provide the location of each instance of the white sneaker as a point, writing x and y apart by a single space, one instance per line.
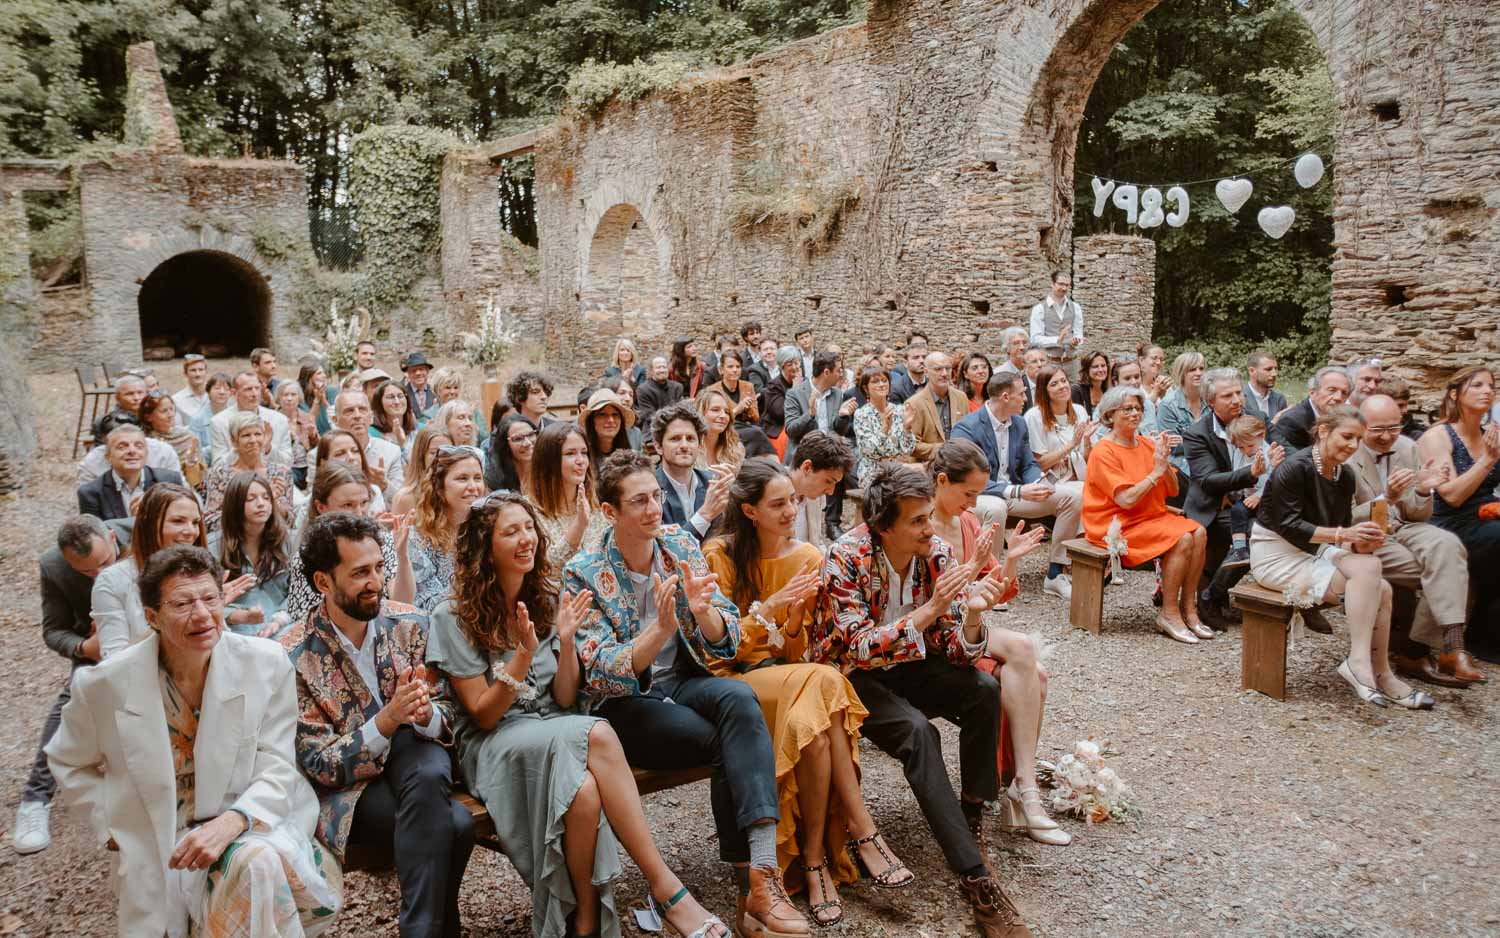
1060 586
31 834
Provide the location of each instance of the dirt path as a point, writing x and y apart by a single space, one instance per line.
1314 817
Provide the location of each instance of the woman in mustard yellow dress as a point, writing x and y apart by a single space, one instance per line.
811 709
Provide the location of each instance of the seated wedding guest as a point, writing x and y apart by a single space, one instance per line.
1396 388
1217 472
1183 405
644 669
383 464
366 381
751 334
159 456
455 419
253 540
512 446
694 497
721 445
304 430
1155 381
452 482
823 461
898 615
975 377
686 368
505 643
528 393
317 395
247 400
608 425
1129 479
1127 372
448 384
1247 436
370 734
656 390
1467 450
417 369
180 751
130 390
168 517
1306 543
811 710
625 363
1016 488
247 437
158 415
773 398
932 412
338 486
1088 392
193 398
880 432
762 369
1416 554
220 390
424 446
341 446
1261 397
913 376
562 489
1014 340
117 491
739 392
391 415
1059 428
959 473
820 404
84 547
1364 378
1328 388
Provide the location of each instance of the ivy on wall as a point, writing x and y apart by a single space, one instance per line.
593 85
395 180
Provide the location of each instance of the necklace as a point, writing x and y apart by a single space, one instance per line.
1317 458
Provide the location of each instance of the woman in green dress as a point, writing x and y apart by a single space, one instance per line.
562 797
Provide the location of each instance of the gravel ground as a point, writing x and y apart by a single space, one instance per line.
1313 817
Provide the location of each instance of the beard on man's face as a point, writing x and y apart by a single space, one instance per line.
362 606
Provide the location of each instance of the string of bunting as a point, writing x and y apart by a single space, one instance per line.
1146 206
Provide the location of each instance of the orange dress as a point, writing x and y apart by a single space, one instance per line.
1148 527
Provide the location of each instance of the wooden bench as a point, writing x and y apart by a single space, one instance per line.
1263 641
1090 565
647 780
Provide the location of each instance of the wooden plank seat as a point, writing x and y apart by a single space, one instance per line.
649 781
1090 565
1267 616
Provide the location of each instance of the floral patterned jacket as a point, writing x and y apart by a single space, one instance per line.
847 632
613 622
334 704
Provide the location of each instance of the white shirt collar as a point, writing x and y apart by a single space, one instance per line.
996 423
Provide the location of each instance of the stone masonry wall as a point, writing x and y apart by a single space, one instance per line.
1114 279
481 263
18 441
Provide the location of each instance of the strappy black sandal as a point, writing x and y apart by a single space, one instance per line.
828 890
890 879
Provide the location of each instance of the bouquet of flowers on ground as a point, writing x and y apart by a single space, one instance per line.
344 334
494 340
1083 786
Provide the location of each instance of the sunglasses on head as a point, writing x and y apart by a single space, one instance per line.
451 449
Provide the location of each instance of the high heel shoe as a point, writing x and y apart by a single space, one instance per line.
1174 630
891 878
826 884
1368 694
1021 810
1196 626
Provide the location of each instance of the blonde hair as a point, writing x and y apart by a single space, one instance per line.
446 413
1185 363
445 377
1244 427
731 449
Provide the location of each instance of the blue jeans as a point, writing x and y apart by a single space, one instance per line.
686 722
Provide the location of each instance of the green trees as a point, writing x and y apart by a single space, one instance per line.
1206 88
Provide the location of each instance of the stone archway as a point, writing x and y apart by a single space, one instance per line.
622 287
205 301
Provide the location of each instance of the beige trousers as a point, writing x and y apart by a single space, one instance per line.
1065 502
1425 557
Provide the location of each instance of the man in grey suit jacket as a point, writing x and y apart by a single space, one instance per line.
818 405
85 546
1416 554
1261 397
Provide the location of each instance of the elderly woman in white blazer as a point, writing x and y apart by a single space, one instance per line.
180 750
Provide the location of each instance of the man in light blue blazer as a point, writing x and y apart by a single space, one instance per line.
1016 488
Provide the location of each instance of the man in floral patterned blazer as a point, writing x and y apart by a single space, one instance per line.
370 735
901 617
657 617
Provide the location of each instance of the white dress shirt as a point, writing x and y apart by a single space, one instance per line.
188 405
1001 430
281 433
364 662
159 455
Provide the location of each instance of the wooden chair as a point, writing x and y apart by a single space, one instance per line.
95 392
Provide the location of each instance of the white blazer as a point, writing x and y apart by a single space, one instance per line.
112 759
115 606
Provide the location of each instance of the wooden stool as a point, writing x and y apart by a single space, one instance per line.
1263 640
1090 564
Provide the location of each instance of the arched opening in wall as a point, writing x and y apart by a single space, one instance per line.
209 302
1196 91
621 282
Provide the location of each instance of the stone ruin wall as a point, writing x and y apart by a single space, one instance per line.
18 441
1114 280
959 119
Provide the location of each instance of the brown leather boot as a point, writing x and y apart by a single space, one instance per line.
994 914
768 913
1461 665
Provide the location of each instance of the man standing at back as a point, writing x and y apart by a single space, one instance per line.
1057 325
192 399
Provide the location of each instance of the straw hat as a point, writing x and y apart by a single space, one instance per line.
603 398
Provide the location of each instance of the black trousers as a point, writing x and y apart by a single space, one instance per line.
897 698
407 817
1219 582
40 786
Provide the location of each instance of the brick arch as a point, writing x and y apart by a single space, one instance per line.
625 269
205 300
206 238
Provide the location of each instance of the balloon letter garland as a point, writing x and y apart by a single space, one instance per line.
1146 207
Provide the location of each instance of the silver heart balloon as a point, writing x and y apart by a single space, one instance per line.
1233 193
1276 220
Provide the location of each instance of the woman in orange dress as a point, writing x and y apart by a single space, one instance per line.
959 474
1130 479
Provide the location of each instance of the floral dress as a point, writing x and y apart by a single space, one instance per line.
432 567
248 895
559 551
874 443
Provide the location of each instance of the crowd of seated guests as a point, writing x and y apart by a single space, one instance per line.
669 581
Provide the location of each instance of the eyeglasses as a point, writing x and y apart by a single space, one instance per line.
156 392
1383 430
182 607
528 437
461 450
640 501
